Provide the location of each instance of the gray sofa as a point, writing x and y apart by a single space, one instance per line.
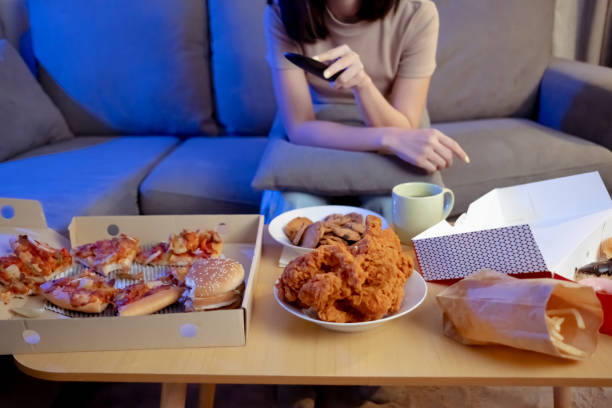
167 107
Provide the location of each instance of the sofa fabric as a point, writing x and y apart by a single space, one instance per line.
507 152
115 67
75 143
205 176
242 81
576 98
97 180
490 58
28 118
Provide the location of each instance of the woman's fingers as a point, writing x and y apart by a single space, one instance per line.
349 78
437 160
454 147
332 54
445 153
346 61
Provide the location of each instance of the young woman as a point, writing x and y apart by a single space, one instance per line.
385 51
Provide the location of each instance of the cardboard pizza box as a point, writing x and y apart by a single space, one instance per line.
54 332
540 228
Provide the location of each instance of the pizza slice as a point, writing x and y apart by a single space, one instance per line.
14 279
108 255
41 260
183 249
31 264
144 298
86 292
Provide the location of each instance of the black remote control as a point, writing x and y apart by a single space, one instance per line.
310 65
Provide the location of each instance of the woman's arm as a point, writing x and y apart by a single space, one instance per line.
426 148
407 100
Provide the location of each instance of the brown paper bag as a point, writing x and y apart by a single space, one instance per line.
546 315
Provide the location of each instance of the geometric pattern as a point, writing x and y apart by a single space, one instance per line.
510 250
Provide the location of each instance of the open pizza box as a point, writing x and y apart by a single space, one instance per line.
56 332
543 229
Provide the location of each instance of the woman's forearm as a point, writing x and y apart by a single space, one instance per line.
338 136
376 111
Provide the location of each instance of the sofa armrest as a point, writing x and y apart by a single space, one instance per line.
576 98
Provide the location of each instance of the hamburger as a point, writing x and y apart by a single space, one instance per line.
213 283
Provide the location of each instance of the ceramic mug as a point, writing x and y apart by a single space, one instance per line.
417 206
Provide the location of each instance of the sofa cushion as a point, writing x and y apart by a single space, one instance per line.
125 67
241 76
490 58
97 180
205 175
506 152
28 118
75 143
290 167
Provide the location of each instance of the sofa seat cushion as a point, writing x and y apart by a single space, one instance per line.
507 152
76 143
28 118
137 67
102 179
205 176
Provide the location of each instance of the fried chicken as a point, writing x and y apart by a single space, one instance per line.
361 282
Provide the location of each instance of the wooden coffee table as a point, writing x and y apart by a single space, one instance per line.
282 349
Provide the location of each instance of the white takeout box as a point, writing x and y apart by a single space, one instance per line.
52 332
551 226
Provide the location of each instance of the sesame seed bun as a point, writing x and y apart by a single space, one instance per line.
213 283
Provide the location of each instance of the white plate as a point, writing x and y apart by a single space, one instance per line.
315 214
415 292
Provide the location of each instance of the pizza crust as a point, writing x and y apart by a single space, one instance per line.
61 299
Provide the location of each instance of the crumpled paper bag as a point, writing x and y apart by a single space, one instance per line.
546 315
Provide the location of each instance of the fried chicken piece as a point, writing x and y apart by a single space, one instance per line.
350 284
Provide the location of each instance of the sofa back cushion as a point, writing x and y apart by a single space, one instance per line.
491 57
241 75
28 118
130 67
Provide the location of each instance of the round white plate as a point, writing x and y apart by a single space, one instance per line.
315 214
415 292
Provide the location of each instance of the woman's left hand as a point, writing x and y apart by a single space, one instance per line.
354 76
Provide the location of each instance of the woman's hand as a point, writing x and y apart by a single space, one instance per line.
343 58
427 148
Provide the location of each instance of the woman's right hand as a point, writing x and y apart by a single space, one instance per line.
429 149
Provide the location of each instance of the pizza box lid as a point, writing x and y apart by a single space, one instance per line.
525 230
54 332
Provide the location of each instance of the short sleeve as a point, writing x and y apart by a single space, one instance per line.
277 40
418 58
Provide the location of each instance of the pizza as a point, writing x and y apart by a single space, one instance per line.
41 259
87 292
13 277
146 297
108 255
183 249
31 264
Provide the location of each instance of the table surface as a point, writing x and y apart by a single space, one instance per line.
283 349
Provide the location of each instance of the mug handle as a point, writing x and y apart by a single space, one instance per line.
449 202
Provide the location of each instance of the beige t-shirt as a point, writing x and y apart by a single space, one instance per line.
401 44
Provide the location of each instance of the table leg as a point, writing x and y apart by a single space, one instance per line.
562 397
173 395
206 396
